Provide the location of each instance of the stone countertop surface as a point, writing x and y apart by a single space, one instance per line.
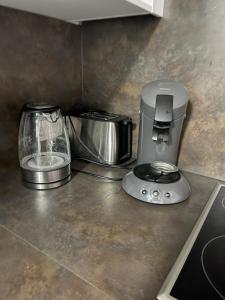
88 239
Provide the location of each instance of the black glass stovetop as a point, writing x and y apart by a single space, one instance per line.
203 274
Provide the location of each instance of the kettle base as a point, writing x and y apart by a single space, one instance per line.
46 186
44 180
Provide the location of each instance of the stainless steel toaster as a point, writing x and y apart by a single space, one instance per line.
100 137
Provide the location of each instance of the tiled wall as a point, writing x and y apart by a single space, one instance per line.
39 60
188 45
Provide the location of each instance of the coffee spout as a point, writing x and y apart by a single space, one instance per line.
163 118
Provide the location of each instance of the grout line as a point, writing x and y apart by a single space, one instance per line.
53 259
82 64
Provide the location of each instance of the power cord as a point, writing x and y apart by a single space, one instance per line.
123 167
110 179
98 175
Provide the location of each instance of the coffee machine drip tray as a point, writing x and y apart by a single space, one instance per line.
157 182
153 173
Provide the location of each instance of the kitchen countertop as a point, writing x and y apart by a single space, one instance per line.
88 239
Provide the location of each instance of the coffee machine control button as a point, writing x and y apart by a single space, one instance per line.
144 192
155 193
167 195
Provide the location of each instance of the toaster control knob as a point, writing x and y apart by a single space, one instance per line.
144 192
167 195
155 193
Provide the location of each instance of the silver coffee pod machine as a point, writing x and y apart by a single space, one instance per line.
156 178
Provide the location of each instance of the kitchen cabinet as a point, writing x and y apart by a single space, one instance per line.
75 11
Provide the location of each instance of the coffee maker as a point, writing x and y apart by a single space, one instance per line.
156 178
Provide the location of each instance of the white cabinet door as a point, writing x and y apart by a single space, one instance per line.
154 7
84 10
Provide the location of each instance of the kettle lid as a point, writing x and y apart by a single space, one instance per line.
40 107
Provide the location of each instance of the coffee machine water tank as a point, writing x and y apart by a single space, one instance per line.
162 112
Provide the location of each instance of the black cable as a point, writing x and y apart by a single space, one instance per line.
98 175
124 167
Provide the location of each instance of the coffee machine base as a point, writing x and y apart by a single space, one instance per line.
157 193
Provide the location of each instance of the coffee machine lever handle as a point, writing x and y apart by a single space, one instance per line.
164 109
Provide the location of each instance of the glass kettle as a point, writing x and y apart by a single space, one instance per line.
44 149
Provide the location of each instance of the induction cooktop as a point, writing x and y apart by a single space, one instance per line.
199 272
